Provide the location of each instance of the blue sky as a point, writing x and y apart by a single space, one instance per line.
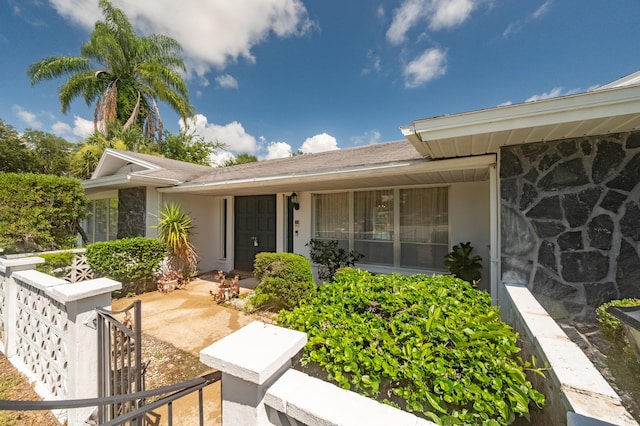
271 77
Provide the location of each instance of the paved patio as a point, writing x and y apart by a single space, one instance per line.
190 320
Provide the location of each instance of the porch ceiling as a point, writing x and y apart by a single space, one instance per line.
603 111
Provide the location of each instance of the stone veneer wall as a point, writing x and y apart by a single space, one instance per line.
132 212
570 221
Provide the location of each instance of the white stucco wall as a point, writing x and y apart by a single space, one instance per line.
469 221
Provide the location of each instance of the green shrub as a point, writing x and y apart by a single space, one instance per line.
610 325
428 344
329 257
56 264
462 265
134 262
286 281
39 212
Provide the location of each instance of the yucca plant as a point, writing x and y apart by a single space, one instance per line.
174 228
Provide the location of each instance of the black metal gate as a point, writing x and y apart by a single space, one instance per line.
120 366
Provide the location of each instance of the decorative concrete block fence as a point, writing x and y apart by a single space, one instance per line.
260 388
47 330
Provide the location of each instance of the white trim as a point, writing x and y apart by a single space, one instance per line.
599 104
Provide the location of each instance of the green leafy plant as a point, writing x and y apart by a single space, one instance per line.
286 281
610 325
330 257
134 262
433 345
462 265
174 229
55 264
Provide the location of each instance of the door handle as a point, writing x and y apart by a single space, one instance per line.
255 241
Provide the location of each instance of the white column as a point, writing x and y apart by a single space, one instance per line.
251 359
7 268
81 301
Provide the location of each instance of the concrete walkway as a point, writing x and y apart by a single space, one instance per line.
189 318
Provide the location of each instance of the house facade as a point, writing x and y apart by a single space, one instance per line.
546 192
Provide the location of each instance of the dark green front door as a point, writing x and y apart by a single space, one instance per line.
255 229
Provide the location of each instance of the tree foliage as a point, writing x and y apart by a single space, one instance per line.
123 73
39 212
188 147
242 158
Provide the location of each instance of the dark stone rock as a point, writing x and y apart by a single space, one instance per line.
600 232
577 207
584 266
533 150
547 255
548 161
628 273
633 141
509 190
563 175
529 194
609 156
570 241
547 285
613 200
132 212
628 177
573 307
548 229
568 147
599 293
532 175
510 164
517 237
586 147
547 208
630 222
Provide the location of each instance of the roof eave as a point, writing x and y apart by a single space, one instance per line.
595 105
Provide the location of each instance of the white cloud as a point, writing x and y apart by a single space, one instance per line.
375 63
61 129
29 118
430 65
367 138
554 93
227 81
319 143
82 127
232 135
220 157
212 33
438 14
517 26
278 150
506 103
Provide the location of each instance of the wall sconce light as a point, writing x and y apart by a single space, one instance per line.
294 201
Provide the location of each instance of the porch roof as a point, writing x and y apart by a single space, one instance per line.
611 108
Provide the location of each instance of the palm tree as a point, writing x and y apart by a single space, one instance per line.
123 73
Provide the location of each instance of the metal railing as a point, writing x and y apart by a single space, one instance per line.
120 366
137 416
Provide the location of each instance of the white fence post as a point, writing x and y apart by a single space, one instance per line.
251 360
7 296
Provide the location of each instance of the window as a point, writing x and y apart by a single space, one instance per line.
406 228
102 220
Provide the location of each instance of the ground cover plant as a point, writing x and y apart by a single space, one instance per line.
432 345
